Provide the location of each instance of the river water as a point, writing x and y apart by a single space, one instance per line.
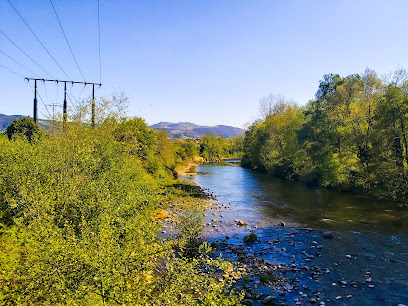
369 251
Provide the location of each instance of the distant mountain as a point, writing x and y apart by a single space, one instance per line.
5 121
175 130
191 130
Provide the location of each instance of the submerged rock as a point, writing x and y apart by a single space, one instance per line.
328 234
247 302
269 300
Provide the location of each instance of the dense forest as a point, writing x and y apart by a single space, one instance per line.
352 136
80 212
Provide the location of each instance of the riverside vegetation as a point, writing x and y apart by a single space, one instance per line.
80 213
352 137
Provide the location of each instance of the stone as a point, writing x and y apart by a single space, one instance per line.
312 300
214 220
247 302
269 300
328 234
241 222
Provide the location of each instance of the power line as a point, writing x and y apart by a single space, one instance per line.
73 104
46 108
99 35
11 71
25 53
81 92
19 63
65 93
66 39
46 93
39 40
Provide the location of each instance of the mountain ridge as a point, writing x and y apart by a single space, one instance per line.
175 130
192 130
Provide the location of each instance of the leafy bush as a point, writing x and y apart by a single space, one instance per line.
76 224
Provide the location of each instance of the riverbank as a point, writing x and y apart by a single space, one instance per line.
185 168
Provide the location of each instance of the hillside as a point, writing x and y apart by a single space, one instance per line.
5 120
191 130
175 130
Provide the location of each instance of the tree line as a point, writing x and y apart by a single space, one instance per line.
352 136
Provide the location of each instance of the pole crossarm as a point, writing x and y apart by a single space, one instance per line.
63 81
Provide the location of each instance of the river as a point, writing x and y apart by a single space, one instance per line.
365 264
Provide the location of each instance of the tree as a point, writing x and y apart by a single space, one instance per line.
23 126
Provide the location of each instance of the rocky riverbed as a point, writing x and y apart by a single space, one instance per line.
290 263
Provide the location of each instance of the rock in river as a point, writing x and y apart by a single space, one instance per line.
247 302
328 234
269 300
241 222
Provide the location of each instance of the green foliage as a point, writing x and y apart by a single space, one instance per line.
352 137
214 148
246 278
23 127
265 278
76 222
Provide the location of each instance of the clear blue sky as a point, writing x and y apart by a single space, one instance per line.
208 62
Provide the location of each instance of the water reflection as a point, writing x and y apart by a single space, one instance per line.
272 198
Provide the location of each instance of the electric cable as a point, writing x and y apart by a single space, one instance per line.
73 104
99 35
66 39
81 92
26 54
39 40
46 92
19 63
46 108
12 71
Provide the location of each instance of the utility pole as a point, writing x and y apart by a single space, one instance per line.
64 116
35 101
53 109
93 105
65 97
